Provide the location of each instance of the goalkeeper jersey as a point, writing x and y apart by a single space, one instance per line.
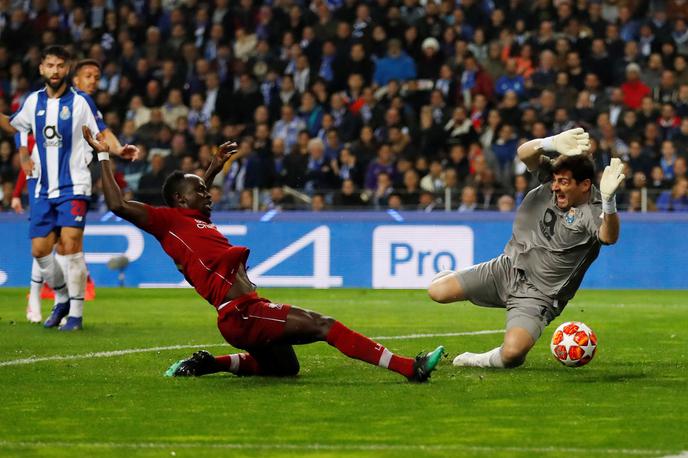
554 247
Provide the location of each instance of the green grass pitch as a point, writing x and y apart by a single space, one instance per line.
631 400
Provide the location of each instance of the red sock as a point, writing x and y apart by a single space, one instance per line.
355 345
239 364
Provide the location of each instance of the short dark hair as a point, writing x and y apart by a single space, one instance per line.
85 63
173 184
581 167
57 51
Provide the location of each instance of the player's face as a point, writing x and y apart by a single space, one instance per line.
568 192
54 71
87 79
195 195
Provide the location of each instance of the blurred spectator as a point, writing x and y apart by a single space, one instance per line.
469 199
675 200
151 183
383 188
319 172
278 200
348 196
506 203
318 202
633 88
395 202
246 200
347 167
396 65
217 199
288 127
383 164
174 108
434 180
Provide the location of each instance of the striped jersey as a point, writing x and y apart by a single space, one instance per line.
61 154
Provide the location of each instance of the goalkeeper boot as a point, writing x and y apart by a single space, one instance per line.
425 363
73 324
60 311
200 363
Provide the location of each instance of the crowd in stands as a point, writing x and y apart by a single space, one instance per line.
403 104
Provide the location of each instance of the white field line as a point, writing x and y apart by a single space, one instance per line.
332 447
109 354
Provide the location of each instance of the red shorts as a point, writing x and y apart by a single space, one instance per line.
250 321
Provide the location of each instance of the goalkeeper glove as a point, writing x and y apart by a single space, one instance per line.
609 183
569 143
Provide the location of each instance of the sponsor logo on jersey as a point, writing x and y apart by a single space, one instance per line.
203 225
65 114
52 136
40 113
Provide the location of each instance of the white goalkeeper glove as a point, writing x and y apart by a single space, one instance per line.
609 183
569 143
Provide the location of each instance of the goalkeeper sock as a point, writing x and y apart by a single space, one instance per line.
494 357
239 364
52 275
36 285
76 283
358 346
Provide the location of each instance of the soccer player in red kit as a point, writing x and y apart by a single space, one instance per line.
217 270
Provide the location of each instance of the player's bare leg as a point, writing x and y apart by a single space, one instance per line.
445 288
72 239
42 251
512 353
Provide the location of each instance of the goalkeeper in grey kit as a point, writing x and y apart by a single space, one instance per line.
557 234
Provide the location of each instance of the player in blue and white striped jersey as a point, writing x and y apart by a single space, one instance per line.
85 77
55 115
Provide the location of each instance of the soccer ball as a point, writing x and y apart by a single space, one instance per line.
574 344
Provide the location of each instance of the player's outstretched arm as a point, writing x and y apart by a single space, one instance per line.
132 211
225 152
570 143
5 124
612 177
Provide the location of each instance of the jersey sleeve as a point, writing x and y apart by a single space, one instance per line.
159 220
21 139
92 117
22 119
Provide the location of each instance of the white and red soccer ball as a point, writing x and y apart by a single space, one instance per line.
574 344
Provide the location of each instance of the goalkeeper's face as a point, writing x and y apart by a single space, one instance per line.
568 192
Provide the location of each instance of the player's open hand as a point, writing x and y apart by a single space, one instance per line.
227 150
611 178
129 152
17 205
572 142
98 144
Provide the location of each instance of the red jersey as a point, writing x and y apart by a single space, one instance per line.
205 257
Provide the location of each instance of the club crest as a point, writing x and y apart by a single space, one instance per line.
65 114
571 216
